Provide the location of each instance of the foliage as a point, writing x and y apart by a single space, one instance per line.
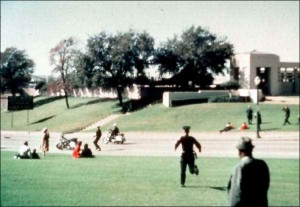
223 99
193 57
62 58
128 181
115 61
230 85
16 70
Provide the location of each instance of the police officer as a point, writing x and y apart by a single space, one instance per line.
187 157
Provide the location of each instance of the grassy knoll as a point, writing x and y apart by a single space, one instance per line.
59 180
206 117
53 113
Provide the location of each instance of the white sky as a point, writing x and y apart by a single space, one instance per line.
37 26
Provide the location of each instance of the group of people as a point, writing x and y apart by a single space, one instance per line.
249 113
250 179
26 153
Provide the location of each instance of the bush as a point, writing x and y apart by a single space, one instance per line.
223 99
230 85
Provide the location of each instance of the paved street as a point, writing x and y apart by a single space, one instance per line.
271 145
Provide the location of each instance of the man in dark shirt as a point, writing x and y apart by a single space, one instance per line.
98 136
187 157
86 152
249 113
287 115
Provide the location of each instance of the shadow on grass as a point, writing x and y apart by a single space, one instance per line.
91 102
43 120
211 187
271 129
46 101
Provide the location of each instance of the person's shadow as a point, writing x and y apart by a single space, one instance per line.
211 187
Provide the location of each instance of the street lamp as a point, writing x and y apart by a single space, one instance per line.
257 82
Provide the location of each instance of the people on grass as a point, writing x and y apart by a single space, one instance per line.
86 152
24 152
187 156
249 182
243 126
287 111
76 151
227 127
249 113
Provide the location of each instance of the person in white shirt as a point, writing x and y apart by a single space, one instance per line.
24 152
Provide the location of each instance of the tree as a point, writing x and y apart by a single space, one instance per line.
62 57
16 70
193 57
119 59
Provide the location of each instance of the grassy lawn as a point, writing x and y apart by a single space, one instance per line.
53 113
59 180
206 117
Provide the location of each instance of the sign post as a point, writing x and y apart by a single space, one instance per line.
16 103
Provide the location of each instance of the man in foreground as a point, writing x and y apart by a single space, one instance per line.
187 157
250 179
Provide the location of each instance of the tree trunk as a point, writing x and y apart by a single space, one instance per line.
119 91
66 97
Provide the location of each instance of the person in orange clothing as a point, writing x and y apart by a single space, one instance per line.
243 126
76 151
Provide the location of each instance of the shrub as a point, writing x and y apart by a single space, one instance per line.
222 99
230 85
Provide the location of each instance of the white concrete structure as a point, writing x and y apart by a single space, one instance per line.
170 97
277 77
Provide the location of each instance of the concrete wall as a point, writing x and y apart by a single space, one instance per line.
169 97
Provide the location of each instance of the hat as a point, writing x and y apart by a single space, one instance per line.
45 129
186 127
245 143
114 124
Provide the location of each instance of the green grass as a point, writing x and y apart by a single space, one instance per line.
206 117
53 113
59 180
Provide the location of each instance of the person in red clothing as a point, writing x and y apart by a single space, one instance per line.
243 126
76 151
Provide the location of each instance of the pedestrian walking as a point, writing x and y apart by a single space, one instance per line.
45 141
249 113
259 121
98 136
188 154
249 182
287 111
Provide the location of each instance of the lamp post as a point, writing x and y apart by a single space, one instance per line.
257 82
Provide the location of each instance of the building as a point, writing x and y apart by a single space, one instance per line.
277 78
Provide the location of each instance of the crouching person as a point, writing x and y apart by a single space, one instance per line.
86 152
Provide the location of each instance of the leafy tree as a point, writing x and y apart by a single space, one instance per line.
119 59
193 57
16 70
62 57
